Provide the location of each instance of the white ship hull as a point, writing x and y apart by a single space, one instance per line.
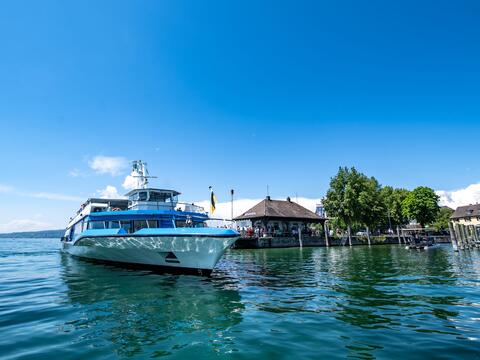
190 253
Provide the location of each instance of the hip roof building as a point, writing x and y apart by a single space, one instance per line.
279 217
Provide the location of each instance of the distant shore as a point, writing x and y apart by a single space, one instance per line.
34 234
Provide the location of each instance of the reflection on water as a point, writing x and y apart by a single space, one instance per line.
381 302
137 309
368 298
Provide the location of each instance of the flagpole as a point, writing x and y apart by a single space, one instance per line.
231 214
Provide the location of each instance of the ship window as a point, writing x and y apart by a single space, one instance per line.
199 224
172 198
152 223
139 224
126 225
180 223
157 196
77 229
113 225
96 225
142 196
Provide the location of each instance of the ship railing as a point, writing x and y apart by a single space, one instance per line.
190 207
222 223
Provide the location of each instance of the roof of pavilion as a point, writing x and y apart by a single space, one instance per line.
279 209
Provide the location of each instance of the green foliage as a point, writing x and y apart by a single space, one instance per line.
393 199
337 202
421 204
371 202
442 219
336 225
356 200
353 198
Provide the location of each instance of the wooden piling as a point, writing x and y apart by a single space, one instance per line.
325 226
453 236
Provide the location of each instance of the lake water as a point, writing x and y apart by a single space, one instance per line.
381 302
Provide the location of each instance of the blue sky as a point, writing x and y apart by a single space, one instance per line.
233 94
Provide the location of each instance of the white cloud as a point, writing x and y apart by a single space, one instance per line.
76 173
113 165
110 192
5 189
25 225
39 195
131 182
460 197
52 196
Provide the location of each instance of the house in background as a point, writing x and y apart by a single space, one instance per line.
465 227
467 215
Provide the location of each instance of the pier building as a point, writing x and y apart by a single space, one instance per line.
278 223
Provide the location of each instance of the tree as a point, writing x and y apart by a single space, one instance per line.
421 204
443 218
338 201
354 198
371 204
393 199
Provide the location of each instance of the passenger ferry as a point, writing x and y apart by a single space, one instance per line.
149 228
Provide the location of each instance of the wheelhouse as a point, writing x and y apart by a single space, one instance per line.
152 199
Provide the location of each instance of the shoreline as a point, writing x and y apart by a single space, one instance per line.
316 241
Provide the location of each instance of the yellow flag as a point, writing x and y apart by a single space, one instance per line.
213 200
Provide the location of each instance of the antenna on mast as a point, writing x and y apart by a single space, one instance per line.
140 171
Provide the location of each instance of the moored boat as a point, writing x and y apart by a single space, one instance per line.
149 228
421 243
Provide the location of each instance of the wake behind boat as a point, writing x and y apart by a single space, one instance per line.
150 228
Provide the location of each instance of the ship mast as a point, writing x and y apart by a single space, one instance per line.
140 171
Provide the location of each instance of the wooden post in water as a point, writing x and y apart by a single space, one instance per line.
300 236
471 236
453 236
325 227
398 234
465 236
459 233
349 229
475 235
368 236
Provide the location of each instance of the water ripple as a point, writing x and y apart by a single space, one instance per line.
381 302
